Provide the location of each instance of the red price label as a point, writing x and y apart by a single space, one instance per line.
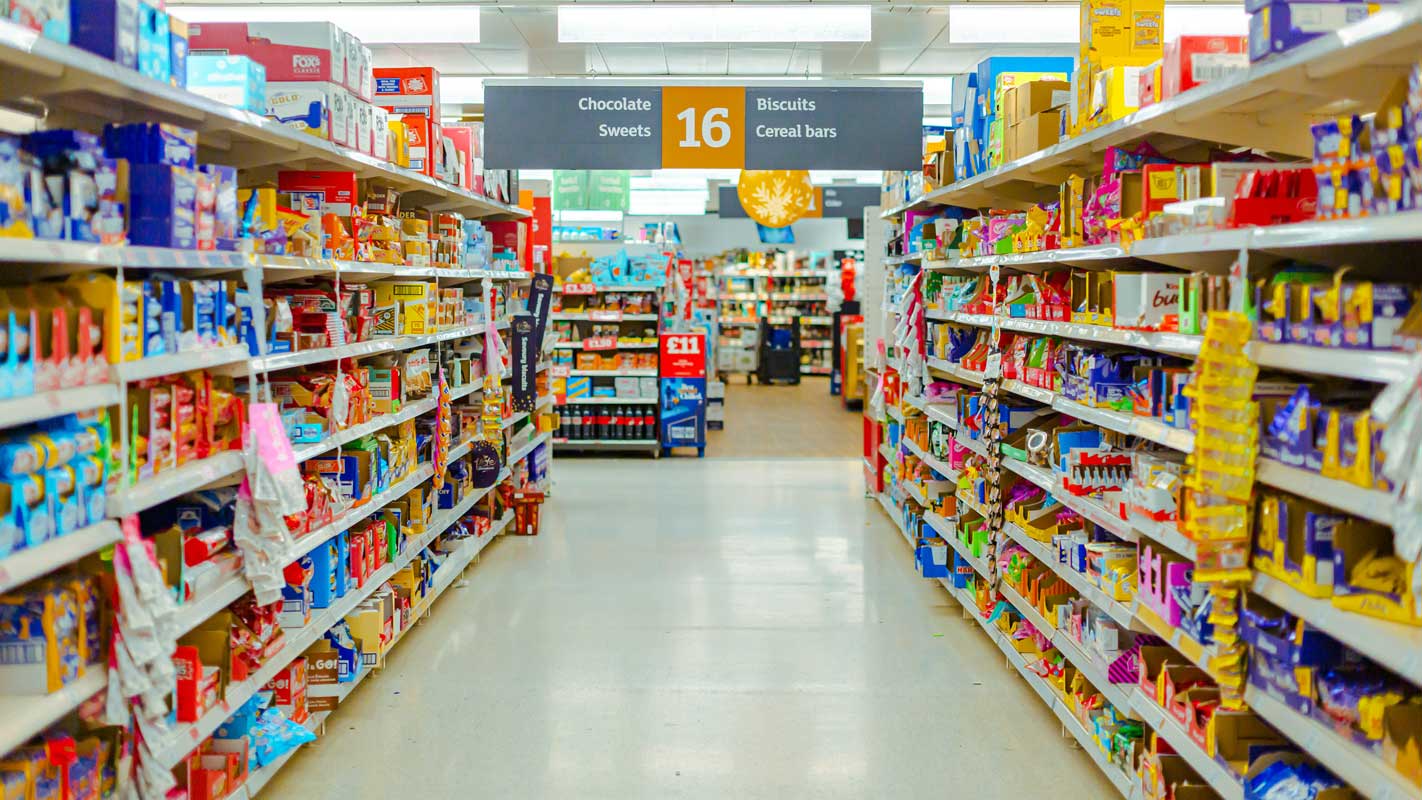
600 343
603 315
579 288
683 355
559 371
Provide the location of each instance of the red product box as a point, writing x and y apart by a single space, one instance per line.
321 192
407 90
424 135
198 685
1149 91
463 138
289 683
1193 60
290 51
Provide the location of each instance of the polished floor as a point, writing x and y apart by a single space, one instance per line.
776 421
696 628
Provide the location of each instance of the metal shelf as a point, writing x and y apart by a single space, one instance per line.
615 373
1392 645
158 366
1381 366
1367 57
1363 769
1223 781
380 423
18 411
1087 507
620 346
937 465
1369 504
23 566
609 401
1044 553
81 88
22 716
172 483
187 736
611 317
607 444
385 344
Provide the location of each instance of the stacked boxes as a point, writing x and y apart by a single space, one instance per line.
1032 116
317 75
1120 40
979 144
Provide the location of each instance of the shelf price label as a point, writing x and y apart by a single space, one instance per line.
603 315
703 127
579 288
600 343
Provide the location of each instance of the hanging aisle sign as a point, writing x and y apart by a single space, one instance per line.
595 125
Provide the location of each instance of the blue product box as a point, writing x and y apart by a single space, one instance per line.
152 143
106 28
1280 27
155 46
167 195
933 560
325 564
235 80
1313 648
178 52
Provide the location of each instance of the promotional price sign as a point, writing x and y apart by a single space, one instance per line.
868 125
683 384
683 355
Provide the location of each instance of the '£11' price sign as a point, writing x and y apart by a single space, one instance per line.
683 355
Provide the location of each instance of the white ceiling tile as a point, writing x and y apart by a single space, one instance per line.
450 59
536 27
507 60
634 59
567 60
760 60
683 59
389 55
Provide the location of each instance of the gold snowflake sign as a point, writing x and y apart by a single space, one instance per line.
775 197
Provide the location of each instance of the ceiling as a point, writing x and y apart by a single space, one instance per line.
522 40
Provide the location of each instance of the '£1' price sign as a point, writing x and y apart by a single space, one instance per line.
683 355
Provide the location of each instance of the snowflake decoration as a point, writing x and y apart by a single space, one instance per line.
778 201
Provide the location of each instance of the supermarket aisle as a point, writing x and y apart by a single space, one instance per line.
757 632
801 421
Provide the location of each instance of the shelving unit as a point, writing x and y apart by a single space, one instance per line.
77 89
1270 105
745 294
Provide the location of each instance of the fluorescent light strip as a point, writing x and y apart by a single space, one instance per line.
372 24
726 23
1051 23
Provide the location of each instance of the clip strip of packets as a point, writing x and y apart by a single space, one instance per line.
1219 483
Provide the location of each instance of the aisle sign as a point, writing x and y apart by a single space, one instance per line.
595 125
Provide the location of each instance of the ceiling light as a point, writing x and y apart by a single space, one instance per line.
372 24
726 23
998 23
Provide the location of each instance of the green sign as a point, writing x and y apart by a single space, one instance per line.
591 190
608 190
570 189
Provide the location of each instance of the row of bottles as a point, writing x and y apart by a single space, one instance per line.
607 422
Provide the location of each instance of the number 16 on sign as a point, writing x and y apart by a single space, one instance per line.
703 127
